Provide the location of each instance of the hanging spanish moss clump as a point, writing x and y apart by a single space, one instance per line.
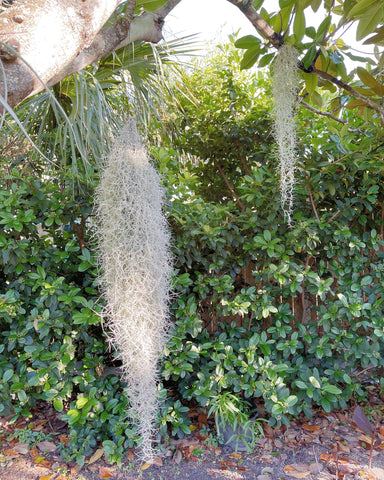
133 241
284 84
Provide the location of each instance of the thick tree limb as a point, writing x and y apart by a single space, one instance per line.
60 37
146 27
258 22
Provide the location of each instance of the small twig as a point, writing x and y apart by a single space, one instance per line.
334 216
230 188
313 203
303 293
250 320
372 442
320 112
363 371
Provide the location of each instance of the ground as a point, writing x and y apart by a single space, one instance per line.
337 445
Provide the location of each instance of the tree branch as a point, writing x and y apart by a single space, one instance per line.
327 76
277 41
320 112
258 22
145 27
61 37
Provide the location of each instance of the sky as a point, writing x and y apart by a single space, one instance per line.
213 20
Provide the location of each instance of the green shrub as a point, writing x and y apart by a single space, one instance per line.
287 315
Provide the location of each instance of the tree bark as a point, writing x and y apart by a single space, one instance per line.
44 41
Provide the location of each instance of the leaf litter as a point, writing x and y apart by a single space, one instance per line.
330 446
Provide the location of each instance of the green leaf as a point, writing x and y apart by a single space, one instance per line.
22 396
361 7
314 382
311 81
249 41
286 3
291 401
310 56
149 5
66 359
343 299
250 57
369 20
299 25
370 81
332 189
301 385
267 235
8 374
315 4
73 416
256 4
109 446
266 59
366 280
332 389
81 402
323 28
377 39
58 404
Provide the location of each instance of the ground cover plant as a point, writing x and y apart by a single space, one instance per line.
282 319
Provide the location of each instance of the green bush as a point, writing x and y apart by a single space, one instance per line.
246 274
291 318
52 346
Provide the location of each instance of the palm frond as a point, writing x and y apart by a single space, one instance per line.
74 122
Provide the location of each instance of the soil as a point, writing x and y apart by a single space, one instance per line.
339 445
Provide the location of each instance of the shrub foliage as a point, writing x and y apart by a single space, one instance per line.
285 318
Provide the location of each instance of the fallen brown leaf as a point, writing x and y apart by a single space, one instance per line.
202 419
297 467
22 448
365 441
43 463
33 452
235 455
145 466
325 456
311 428
157 461
227 463
268 430
96 456
38 459
342 447
104 473
46 477
177 456
361 421
297 470
46 446
11 452
63 439
298 474
130 455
